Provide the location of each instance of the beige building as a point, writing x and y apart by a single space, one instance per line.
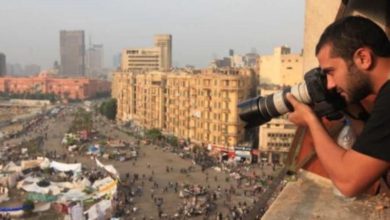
150 103
201 107
216 114
123 89
158 57
281 68
181 104
142 59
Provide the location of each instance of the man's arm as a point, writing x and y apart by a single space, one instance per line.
351 171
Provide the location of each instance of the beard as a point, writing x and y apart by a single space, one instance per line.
359 85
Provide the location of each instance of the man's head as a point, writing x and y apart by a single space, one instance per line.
347 51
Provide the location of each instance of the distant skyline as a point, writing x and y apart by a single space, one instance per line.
201 29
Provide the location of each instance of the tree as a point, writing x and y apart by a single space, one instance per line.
172 140
109 109
153 134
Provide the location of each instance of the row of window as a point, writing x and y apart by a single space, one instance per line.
277 144
283 135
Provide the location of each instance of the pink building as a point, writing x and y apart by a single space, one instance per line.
72 88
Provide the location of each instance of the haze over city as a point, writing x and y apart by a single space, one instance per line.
201 30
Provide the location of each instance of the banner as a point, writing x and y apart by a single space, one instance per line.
41 197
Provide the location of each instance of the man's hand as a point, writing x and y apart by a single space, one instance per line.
301 114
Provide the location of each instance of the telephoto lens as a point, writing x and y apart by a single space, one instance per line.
259 110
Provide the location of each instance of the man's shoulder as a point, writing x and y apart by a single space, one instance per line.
385 87
384 93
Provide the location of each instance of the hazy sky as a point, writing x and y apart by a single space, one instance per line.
201 29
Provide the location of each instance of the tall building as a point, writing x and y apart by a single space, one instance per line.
158 57
3 65
231 52
164 42
72 51
94 62
281 68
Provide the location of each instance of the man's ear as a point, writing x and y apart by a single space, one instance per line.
363 58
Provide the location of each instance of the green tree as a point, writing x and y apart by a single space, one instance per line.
109 109
153 134
172 140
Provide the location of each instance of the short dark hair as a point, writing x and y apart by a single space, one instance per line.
348 34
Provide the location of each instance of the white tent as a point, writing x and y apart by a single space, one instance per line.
64 167
109 168
99 210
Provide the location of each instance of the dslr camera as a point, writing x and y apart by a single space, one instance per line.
325 103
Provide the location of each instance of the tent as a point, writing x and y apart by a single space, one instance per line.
109 168
64 167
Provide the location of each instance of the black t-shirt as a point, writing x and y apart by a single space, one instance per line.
374 140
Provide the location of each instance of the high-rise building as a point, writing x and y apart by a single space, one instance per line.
164 42
231 52
72 51
3 65
94 61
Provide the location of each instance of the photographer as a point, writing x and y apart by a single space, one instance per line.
354 53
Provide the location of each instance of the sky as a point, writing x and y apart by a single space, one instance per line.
201 29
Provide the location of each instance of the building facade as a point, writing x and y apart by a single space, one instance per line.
158 57
3 65
72 53
140 60
123 89
281 68
200 106
67 88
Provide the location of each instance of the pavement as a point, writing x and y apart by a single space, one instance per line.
151 163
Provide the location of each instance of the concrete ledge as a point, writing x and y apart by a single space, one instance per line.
313 197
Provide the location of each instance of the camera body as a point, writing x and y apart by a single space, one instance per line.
259 110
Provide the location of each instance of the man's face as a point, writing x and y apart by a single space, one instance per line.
346 78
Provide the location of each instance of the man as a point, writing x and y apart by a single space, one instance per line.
354 53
